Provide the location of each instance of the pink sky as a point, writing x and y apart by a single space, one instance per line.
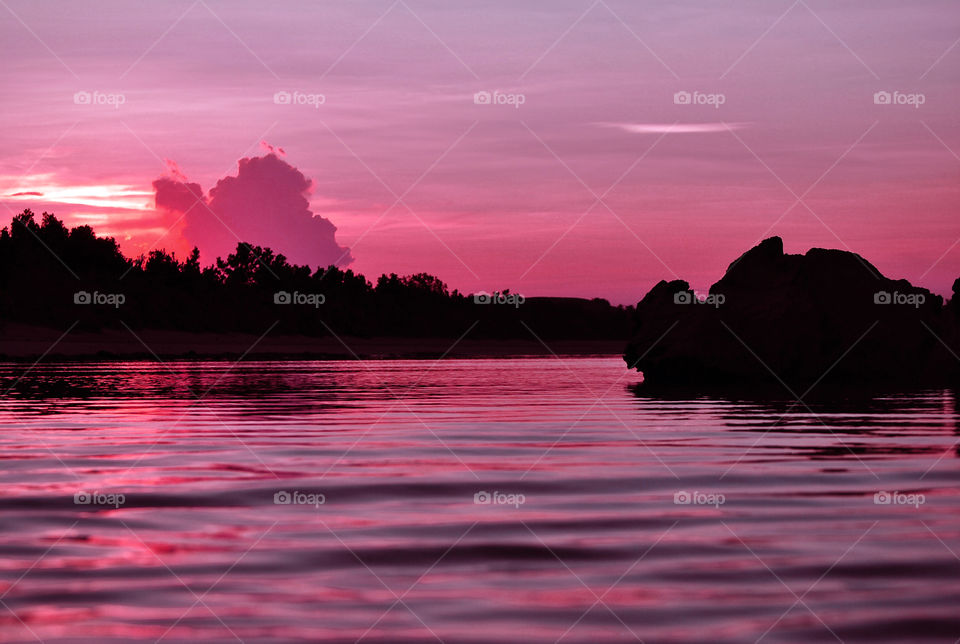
499 195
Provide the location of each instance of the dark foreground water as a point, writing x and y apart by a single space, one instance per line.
530 500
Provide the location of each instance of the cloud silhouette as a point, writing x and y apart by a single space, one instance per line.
266 204
177 196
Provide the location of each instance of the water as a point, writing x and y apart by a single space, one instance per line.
618 515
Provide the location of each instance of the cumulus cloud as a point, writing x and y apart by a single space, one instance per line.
177 196
265 203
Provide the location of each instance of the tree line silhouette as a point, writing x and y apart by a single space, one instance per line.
54 276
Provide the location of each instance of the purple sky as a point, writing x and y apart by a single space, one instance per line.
598 184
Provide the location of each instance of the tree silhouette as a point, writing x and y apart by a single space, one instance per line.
46 268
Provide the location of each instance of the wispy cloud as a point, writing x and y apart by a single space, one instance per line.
674 128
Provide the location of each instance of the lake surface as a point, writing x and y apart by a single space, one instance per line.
528 500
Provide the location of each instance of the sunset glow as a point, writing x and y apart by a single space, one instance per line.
382 105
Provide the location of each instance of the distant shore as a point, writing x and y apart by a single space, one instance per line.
20 343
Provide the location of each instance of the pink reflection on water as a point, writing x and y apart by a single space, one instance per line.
599 516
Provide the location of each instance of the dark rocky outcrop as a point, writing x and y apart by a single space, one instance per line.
827 315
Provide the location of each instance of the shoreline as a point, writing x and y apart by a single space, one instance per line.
33 344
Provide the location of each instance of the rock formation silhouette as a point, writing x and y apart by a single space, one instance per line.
797 320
